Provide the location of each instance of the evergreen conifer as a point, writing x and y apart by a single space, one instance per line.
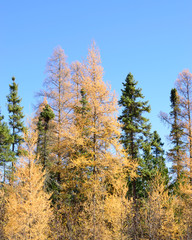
6 155
15 117
135 128
43 139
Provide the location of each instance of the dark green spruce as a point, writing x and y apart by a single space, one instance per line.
16 117
6 155
153 160
43 145
176 154
135 128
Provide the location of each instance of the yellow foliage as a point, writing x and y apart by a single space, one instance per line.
94 167
28 209
159 209
2 212
185 205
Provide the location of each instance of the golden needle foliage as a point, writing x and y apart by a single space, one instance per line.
184 87
159 212
89 170
95 166
185 204
58 93
2 213
28 209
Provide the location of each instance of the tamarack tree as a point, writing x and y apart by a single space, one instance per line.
57 92
94 171
184 89
27 208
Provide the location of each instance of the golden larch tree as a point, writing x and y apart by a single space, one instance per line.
58 93
100 159
159 212
28 209
185 204
93 204
2 212
184 88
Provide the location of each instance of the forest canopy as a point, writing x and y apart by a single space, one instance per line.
81 169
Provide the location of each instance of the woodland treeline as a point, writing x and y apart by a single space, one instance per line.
88 167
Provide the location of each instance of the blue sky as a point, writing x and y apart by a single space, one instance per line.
151 39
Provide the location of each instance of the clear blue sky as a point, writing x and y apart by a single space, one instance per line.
151 39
